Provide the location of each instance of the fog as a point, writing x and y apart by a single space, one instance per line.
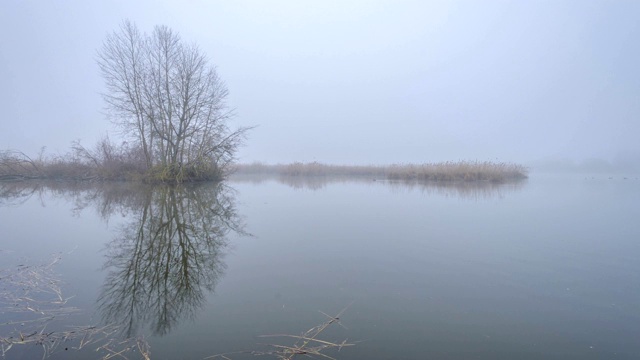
354 82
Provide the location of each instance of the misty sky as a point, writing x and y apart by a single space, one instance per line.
353 81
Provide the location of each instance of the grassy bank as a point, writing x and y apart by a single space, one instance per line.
444 171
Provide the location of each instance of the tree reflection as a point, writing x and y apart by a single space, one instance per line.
165 260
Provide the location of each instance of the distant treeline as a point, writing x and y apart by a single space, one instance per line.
443 171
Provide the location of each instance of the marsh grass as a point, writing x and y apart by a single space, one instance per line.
79 164
32 300
105 162
467 171
109 162
308 344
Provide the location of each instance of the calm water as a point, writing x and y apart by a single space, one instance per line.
544 269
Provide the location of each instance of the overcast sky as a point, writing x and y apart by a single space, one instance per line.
353 81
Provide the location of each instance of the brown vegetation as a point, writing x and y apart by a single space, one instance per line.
106 161
110 162
445 171
308 344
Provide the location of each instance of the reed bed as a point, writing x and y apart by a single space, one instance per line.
106 164
467 171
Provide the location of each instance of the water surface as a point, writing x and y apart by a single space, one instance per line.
542 269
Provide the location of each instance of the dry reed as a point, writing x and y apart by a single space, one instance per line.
445 171
307 344
32 294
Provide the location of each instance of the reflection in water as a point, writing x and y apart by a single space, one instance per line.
165 259
168 254
106 198
460 189
17 193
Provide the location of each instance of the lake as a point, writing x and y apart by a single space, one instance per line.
546 268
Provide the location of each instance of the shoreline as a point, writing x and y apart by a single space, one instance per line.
22 168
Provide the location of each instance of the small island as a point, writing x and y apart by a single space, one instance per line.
169 103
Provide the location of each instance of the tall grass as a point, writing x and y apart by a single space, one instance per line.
444 171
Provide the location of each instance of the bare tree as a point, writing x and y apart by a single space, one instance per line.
166 97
